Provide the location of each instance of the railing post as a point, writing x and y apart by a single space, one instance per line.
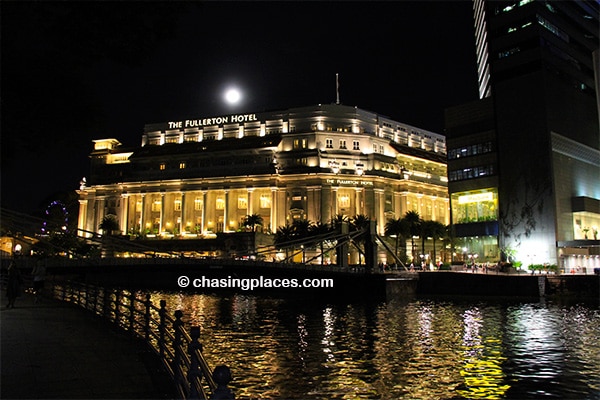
96 291
162 328
222 377
106 303
194 373
148 304
117 307
178 349
131 312
79 295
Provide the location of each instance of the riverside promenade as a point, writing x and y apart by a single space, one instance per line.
54 350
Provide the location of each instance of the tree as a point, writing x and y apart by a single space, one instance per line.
434 229
357 223
251 221
338 220
396 228
413 221
109 224
318 230
302 228
284 235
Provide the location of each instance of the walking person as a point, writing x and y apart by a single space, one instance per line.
13 285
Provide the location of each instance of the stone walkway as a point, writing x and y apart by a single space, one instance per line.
54 350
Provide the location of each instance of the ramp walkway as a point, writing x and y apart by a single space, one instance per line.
53 350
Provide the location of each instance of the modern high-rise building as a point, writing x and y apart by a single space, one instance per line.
524 160
198 177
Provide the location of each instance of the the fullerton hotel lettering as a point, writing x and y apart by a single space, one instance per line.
198 123
349 182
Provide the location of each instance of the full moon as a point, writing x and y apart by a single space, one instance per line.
232 96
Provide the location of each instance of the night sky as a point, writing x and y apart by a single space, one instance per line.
73 72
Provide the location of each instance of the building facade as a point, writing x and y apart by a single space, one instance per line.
195 178
524 160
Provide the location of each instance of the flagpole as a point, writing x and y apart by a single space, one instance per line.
337 89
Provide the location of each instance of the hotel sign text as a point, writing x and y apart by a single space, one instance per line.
349 182
199 123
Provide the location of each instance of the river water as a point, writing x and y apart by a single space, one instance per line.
412 349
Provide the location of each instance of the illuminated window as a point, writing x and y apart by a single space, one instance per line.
156 205
344 201
198 203
242 202
162 166
300 143
177 205
181 165
265 201
220 203
329 143
475 206
355 145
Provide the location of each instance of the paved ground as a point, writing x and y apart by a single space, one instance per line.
54 350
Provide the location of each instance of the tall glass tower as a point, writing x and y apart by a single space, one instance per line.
524 160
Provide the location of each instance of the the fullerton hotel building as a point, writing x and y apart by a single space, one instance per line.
196 177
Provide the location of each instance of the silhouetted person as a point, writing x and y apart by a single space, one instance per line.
13 285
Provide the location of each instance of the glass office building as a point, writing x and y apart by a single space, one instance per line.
524 160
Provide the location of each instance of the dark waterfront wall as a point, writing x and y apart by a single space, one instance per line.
457 284
352 284
348 285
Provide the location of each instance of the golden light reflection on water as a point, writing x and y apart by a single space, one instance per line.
413 350
482 370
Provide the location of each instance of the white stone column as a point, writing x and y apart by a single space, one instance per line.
250 209
334 201
124 213
380 209
162 213
81 222
143 215
225 213
203 212
357 208
273 221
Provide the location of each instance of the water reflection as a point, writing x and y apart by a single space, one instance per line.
421 349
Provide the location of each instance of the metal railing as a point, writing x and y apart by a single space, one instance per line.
179 350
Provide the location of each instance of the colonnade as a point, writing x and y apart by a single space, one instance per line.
206 211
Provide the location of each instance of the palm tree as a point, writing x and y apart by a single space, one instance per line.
302 229
338 220
319 229
413 221
436 230
283 235
396 228
252 220
357 223
109 224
